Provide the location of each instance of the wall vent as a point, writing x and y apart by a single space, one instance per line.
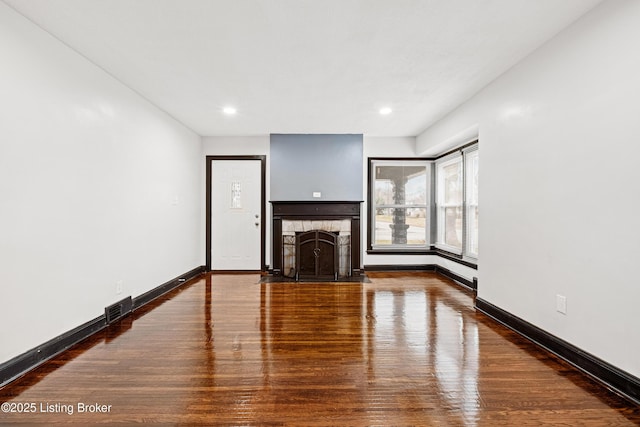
118 310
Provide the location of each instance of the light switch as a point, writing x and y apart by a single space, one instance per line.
561 304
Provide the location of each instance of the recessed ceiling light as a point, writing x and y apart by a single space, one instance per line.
386 110
229 111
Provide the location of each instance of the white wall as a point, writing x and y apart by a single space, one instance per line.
243 146
236 146
559 177
97 186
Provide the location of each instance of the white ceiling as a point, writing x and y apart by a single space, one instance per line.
304 66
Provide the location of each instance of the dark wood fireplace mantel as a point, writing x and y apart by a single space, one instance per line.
316 210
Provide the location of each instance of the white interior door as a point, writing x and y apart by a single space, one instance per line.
235 214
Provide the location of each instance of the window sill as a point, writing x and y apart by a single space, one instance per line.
456 258
400 251
424 251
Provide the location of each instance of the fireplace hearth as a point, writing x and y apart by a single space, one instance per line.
316 240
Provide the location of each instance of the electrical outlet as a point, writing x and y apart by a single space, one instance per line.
118 287
317 194
561 304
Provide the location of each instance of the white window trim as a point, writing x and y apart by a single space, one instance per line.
467 205
441 164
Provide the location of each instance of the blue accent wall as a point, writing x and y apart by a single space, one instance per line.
327 163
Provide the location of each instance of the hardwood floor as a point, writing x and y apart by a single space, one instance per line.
405 349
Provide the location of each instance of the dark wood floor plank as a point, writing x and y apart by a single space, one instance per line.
405 349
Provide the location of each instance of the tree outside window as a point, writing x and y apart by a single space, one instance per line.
400 204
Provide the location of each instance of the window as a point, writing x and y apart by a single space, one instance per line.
404 194
457 202
450 195
471 163
399 197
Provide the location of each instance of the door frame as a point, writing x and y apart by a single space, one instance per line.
263 209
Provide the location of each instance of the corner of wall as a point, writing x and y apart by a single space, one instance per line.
433 142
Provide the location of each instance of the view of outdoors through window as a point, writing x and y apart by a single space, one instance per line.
401 196
457 202
452 203
471 175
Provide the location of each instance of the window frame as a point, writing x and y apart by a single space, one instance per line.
441 207
469 203
463 257
372 206
459 155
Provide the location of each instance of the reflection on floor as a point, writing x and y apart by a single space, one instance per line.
404 349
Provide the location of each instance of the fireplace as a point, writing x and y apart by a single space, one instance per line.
318 249
316 240
316 255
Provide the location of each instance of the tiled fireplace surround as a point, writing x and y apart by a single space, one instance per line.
340 218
